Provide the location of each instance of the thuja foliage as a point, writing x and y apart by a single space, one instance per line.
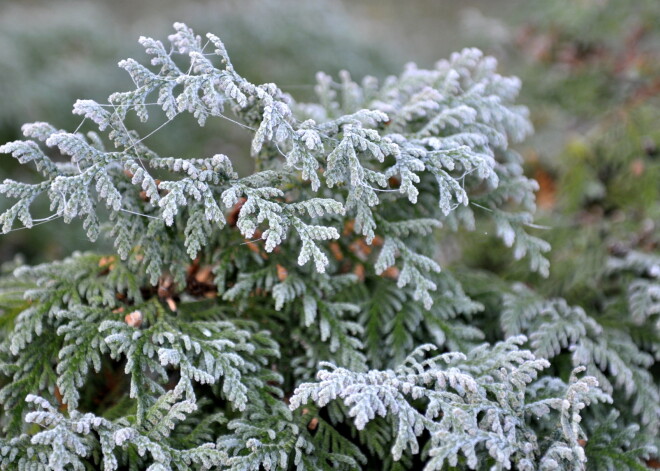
38 83
600 191
295 318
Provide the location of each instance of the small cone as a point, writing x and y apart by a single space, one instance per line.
134 319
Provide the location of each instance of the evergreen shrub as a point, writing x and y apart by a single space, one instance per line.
298 317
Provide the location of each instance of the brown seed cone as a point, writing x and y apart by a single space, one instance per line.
391 272
359 271
336 251
282 273
313 424
134 319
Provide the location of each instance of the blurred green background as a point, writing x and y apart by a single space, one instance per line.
581 62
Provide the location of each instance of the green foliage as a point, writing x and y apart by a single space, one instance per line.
195 345
40 83
475 406
598 307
